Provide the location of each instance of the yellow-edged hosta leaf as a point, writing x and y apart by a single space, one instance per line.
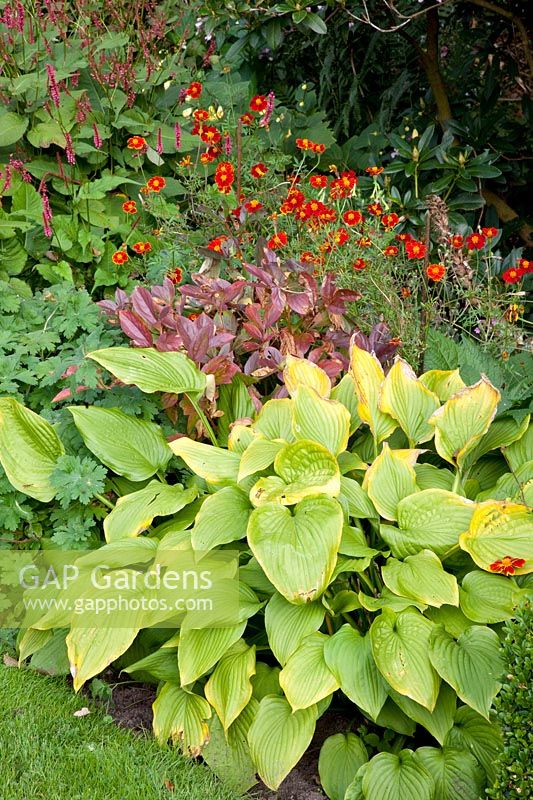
439 721
222 518
521 451
463 420
181 716
134 512
400 647
214 464
306 678
134 448
500 531
502 433
200 649
368 377
240 437
275 420
301 372
151 370
278 738
29 449
297 550
287 624
421 577
345 393
229 688
91 650
389 479
443 382
303 468
488 599
319 420
408 401
259 455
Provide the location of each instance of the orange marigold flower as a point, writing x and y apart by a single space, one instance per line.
307 257
490 233
512 275
259 103
246 118
328 214
341 236
475 241
318 148
258 170
278 240
137 143
253 205
374 171
318 181
415 249
216 244
513 312
390 220
193 91
129 207
457 241
406 292
435 272
525 265
200 115
120 257
176 276
186 161
403 237
352 217
359 263
364 241
141 247
507 565
210 134
295 198
375 209
391 250
156 183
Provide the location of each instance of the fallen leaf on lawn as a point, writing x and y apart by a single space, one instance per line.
10 662
169 786
82 712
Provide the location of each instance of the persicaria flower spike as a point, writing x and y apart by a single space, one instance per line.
177 135
52 85
97 139
69 149
47 213
159 145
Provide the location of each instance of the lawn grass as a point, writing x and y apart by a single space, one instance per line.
46 752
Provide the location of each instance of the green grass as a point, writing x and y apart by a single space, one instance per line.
46 752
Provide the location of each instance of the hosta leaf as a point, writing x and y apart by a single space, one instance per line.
340 757
421 577
430 477
306 678
344 392
368 377
91 650
391 716
463 420
520 451
304 468
409 402
471 733
162 665
457 774
275 420
222 518
297 550
130 447
287 624
472 665
182 717
388 480
151 370
265 681
349 657
400 649
229 688
439 721
397 777
499 529
301 372
29 449
259 455
488 598
199 650
501 433
240 437
443 382
358 502
134 512
452 618
227 752
387 599
213 464
317 419
278 738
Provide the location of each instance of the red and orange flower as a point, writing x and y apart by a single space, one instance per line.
390 220
415 249
475 241
435 272
318 181
253 205
374 171
512 275
194 90
224 176
176 276
210 135
278 240
359 263
457 241
507 565
216 244
129 207
490 233
137 143
141 247
156 183
391 250
258 170
259 103
352 217
120 257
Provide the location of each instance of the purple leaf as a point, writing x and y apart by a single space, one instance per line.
135 328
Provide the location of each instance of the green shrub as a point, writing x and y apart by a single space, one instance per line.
514 710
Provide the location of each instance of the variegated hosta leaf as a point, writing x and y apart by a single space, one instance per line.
275 420
222 518
502 433
303 468
389 479
227 753
181 716
499 538
229 688
344 392
487 599
91 650
213 464
200 649
319 420
297 550
306 678
421 577
301 372
409 402
368 376
134 512
259 455
151 370
278 738
463 420
443 382
287 624
29 449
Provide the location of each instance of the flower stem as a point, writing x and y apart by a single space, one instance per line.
205 421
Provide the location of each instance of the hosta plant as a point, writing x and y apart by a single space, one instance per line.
383 530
